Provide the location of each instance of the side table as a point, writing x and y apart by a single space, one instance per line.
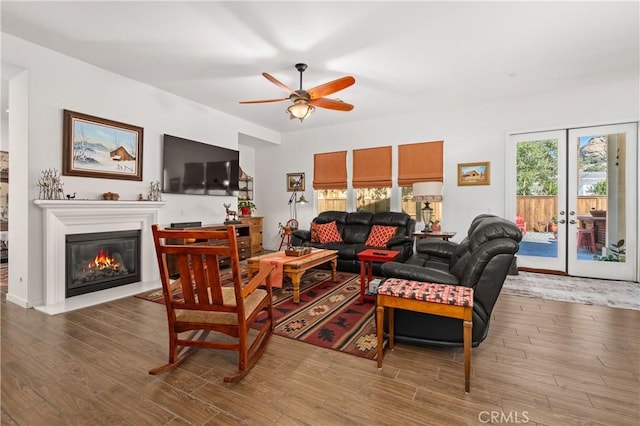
444 235
367 257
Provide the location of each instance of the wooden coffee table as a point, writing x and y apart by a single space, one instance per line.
297 266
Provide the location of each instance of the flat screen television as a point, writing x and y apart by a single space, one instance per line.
191 167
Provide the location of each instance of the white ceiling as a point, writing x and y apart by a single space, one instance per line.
403 55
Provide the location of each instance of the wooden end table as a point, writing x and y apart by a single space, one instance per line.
297 266
367 257
444 235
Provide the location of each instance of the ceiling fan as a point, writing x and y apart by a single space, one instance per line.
305 101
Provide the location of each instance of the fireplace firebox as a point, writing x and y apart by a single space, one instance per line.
101 260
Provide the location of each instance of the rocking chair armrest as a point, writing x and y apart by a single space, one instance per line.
263 276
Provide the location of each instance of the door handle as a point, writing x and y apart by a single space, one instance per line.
573 222
562 221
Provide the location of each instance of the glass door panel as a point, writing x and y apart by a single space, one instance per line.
539 208
602 204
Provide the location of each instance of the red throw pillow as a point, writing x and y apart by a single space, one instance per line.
328 233
314 233
380 235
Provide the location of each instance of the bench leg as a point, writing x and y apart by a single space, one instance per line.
467 355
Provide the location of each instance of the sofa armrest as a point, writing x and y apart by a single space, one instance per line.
300 236
399 240
417 273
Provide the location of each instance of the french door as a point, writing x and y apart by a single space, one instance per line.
574 197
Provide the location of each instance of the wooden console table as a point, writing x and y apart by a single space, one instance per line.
243 239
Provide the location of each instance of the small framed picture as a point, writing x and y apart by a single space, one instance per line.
295 182
474 173
101 148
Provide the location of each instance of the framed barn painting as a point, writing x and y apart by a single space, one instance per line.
474 174
101 148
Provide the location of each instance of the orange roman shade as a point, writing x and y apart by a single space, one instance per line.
372 167
330 170
420 162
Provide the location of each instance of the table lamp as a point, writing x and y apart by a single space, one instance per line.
426 192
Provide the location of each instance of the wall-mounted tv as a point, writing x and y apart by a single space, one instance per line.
191 167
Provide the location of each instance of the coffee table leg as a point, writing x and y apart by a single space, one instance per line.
334 267
250 272
295 280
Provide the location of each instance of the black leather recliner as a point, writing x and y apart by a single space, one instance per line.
354 229
481 261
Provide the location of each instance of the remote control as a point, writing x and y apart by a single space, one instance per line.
378 253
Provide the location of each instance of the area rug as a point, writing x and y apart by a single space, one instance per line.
329 313
589 291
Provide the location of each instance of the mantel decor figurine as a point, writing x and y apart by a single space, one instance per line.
155 192
230 214
50 185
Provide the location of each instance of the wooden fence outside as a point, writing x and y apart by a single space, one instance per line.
538 211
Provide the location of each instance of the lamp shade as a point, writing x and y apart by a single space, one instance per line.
300 109
427 191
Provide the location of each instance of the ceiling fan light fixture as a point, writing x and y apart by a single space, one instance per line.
300 109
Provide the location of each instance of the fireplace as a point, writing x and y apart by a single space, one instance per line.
64 217
100 260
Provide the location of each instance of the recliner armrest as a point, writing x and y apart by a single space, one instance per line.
437 248
417 273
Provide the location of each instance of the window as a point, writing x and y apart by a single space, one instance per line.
331 199
372 179
373 200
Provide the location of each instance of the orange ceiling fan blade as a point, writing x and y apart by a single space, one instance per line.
264 101
277 82
331 104
331 87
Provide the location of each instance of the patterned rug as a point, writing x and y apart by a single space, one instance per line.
329 313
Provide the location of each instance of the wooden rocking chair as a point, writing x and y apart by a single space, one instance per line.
207 304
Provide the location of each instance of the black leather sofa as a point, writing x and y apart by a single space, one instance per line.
354 229
481 261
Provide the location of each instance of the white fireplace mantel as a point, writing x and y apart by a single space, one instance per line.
62 217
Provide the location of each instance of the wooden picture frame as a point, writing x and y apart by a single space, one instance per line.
295 182
101 148
474 173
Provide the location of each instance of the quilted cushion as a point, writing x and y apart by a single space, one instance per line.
314 233
328 232
380 235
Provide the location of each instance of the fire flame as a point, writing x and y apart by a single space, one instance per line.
104 261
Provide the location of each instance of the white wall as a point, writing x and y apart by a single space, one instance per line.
57 82
471 133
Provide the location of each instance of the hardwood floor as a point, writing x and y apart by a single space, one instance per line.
544 362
